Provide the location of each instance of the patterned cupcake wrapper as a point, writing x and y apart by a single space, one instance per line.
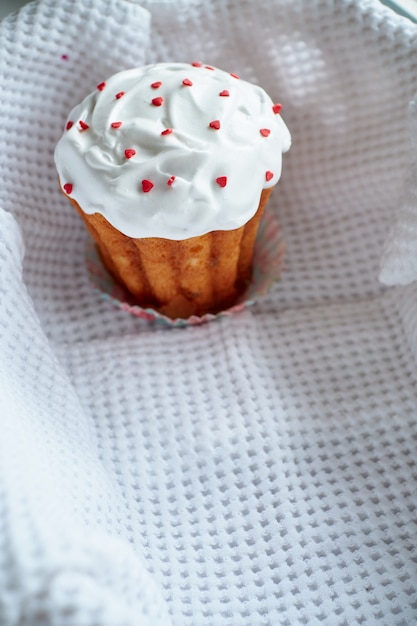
267 266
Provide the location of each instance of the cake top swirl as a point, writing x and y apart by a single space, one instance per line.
172 150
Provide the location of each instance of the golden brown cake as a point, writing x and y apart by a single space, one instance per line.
194 276
170 166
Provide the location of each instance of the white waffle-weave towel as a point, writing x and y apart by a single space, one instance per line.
257 471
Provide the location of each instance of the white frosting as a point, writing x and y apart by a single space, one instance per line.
96 171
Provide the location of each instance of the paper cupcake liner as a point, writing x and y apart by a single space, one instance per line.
267 266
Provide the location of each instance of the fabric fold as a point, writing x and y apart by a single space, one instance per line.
399 260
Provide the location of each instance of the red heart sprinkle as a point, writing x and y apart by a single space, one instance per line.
157 101
265 132
208 67
196 64
147 185
187 82
116 124
222 181
170 181
215 124
156 85
68 188
129 152
224 93
101 86
83 125
69 125
277 108
120 95
167 131
269 175
234 75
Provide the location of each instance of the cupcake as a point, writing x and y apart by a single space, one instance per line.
170 166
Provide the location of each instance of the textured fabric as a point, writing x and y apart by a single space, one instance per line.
256 471
399 261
